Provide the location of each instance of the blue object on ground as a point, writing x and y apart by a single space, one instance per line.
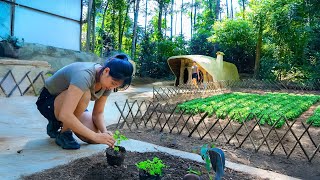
217 159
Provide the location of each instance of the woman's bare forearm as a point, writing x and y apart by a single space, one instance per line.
98 120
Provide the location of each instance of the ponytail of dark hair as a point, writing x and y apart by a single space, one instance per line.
120 69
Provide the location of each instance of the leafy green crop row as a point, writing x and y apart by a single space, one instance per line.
315 118
241 106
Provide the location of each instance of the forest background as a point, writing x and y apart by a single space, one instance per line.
265 39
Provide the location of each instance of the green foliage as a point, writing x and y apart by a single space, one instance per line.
237 41
118 137
154 55
289 35
315 118
153 167
193 171
206 18
270 108
199 44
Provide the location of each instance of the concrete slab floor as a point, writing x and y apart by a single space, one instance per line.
25 148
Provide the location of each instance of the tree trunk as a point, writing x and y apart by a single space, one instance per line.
165 21
121 29
175 27
146 17
172 1
160 20
258 51
195 14
191 18
102 25
93 26
113 20
217 10
134 38
181 18
243 8
89 25
227 6
231 8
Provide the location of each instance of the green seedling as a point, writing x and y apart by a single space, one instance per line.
153 167
118 137
193 171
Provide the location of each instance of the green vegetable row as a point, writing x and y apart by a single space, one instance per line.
315 118
241 106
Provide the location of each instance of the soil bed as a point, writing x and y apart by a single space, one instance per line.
95 167
294 166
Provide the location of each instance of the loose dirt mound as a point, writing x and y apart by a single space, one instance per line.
95 167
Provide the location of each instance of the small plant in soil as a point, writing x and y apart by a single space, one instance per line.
118 137
116 155
151 169
192 174
193 171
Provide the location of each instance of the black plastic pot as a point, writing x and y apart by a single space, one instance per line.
115 157
143 175
191 177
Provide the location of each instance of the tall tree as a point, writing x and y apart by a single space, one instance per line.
102 25
227 6
231 8
243 4
191 18
135 23
182 10
161 5
93 25
217 9
122 23
89 25
146 17
171 22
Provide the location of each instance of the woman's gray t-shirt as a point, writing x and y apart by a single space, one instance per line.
80 74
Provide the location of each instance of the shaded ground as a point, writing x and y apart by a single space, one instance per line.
95 167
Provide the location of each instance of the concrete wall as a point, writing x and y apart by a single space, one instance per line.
48 22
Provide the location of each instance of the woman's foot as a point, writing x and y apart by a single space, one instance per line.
53 128
66 140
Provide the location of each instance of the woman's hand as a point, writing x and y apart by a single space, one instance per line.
105 138
109 132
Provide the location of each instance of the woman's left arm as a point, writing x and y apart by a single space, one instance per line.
98 114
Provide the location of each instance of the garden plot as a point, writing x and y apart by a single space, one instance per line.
238 106
96 167
291 139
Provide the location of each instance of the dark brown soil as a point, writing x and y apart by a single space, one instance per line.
95 167
294 166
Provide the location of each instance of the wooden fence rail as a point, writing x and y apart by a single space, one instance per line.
295 137
9 84
163 94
